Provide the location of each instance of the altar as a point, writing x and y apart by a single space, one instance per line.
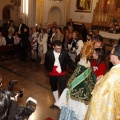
109 39
109 35
106 17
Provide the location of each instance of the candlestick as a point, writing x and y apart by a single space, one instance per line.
106 18
99 17
102 17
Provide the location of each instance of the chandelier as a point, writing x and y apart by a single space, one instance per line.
56 0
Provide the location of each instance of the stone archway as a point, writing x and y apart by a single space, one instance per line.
55 15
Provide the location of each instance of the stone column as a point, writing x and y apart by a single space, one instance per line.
67 10
39 13
32 13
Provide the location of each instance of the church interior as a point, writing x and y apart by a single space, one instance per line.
32 76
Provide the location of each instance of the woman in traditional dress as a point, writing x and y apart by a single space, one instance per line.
74 100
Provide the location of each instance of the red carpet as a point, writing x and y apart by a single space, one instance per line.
48 118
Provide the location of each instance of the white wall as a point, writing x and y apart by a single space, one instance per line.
14 14
54 15
48 5
76 16
81 16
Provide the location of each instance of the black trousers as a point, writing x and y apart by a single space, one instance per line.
23 53
58 83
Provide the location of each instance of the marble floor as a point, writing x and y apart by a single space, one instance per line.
33 78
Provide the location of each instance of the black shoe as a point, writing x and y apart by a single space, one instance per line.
54 106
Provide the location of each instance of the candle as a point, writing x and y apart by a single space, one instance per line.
99 17
106 18
102 17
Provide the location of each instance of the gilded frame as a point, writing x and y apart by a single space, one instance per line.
83 5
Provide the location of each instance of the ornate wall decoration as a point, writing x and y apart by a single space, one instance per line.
83 5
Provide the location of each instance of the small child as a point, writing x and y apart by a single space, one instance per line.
16 38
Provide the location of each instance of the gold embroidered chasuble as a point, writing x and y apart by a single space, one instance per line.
105 101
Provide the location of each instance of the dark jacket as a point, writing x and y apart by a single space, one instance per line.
22 28
64 60
73 42
24 37
9 40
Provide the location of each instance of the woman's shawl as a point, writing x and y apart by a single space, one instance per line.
81 84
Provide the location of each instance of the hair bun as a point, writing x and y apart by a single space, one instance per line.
87 49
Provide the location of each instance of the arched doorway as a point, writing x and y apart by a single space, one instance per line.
54 15
6 12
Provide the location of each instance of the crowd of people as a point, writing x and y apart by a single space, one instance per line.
90 94
34 42
76 99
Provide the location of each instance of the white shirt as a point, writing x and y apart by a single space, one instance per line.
57 63
20 26
52 37
2 41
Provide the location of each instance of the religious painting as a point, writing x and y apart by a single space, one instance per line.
17 2
83 5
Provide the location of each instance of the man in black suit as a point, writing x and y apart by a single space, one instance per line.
21 26
56 61
49 32
23 33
